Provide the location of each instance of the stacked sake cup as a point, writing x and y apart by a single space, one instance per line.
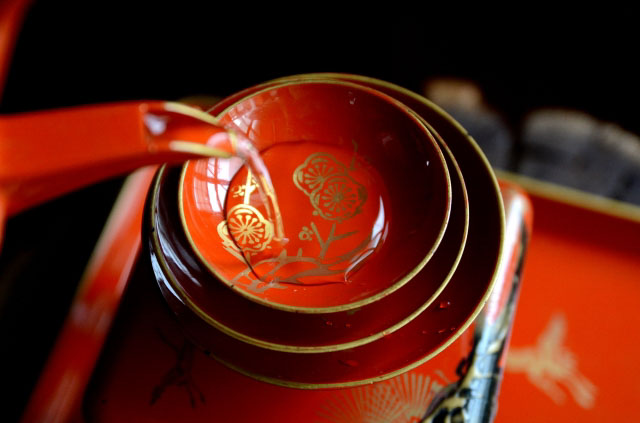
382 249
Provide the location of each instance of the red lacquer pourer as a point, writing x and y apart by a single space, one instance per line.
46 154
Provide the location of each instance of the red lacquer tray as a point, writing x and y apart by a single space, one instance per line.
572 353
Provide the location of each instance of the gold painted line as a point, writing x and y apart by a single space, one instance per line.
183 109
190 147
573 196
233 138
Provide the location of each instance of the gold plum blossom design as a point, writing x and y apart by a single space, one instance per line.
339 198
333 193
250 230
315 170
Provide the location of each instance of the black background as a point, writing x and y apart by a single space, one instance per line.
79 53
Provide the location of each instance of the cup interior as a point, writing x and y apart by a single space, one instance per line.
363 189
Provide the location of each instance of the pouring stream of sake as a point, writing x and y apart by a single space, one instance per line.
159 128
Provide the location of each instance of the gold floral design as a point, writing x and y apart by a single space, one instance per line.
250 230
315 170
333 193
305 234
339 198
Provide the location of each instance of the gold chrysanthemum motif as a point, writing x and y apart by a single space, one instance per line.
250 230
315 170
339 198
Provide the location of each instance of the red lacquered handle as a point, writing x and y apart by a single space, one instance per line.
45 154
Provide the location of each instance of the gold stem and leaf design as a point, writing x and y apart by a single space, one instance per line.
322 266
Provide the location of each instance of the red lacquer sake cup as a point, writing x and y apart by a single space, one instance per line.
361 183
